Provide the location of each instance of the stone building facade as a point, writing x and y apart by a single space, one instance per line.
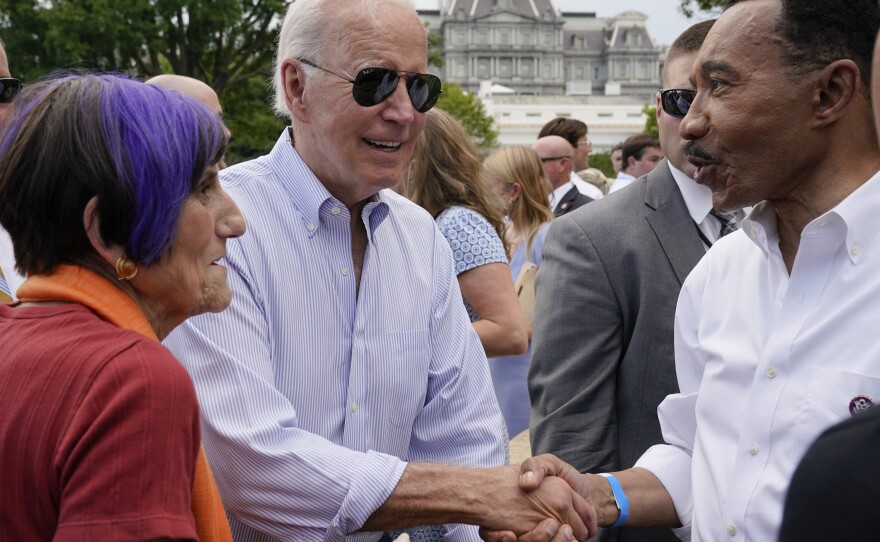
533 48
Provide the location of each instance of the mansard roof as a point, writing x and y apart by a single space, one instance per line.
481 8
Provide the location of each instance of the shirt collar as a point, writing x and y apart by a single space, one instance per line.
855 217
627 176
556 195
697 198
309 194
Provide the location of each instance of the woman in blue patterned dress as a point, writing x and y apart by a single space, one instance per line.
517 176
445 180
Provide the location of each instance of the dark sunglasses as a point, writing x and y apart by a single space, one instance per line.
8 89
372 86
677 101
554 158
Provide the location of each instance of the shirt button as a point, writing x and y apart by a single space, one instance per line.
856 250
782 298
731 529
344 271
354 407
771 372
752 449
311 227
335 210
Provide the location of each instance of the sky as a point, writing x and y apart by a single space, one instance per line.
665 21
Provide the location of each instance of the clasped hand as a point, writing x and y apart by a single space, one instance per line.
551 504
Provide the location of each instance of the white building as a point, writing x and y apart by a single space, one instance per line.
610 119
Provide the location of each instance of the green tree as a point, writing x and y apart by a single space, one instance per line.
228 44
689 7
602 161
435 47
469 110
650 112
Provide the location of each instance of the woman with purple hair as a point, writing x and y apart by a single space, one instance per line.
109 191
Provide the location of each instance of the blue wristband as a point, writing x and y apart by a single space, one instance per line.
619 498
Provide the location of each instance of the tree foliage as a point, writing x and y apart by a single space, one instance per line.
228 44
690 7
469 110
650 112
602 162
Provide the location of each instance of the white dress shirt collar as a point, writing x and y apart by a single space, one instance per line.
697 198
853 218
558 193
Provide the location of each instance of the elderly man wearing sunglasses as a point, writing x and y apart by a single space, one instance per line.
9 277
345 380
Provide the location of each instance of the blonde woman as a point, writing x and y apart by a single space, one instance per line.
516 175
445 180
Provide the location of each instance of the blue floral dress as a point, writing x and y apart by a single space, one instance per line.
473 240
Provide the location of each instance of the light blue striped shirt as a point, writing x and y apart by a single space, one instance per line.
313 398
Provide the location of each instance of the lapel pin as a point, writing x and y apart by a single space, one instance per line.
859 403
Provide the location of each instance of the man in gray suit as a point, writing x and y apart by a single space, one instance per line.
602 355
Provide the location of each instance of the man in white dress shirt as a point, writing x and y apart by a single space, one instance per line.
344 393
775 332
640 155
602 349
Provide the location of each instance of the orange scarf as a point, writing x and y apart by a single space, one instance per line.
75 284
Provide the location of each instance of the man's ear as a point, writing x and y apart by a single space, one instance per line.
834 91
92 226
657 106
293 80
630 162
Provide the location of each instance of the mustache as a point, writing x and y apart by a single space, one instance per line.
693 149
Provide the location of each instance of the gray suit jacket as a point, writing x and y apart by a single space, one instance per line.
602 355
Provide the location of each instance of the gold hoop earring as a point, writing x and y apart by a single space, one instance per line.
126 269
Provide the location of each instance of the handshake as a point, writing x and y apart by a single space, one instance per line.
543 500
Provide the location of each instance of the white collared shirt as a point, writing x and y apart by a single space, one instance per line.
698 199
766 362
559 192
586 188
623 180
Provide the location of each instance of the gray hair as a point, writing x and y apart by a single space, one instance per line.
302 36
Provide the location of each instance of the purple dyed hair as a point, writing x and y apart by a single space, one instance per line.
139 148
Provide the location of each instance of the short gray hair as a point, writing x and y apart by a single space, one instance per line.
302 36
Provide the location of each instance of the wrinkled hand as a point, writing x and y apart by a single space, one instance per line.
536 471
548 530
517 512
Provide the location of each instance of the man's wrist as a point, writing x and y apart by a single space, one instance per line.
602 497
620 499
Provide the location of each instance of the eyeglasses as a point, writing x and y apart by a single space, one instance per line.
585 143
553 158
677 101
8 89
372 86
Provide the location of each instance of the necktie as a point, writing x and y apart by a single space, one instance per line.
727 220
5 292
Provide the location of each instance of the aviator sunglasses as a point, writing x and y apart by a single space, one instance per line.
372 86
677 101
8 89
